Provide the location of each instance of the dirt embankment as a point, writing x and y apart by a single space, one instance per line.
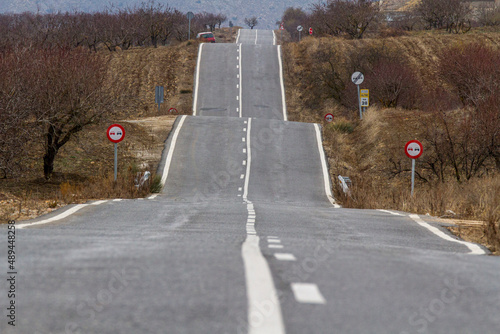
317 76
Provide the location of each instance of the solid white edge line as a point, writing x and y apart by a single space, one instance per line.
98 202
238 37
55 218
249 161
283 102
474 249
256 36
195 101
274 38
171 151
326 177
240 75
307 293
391 212
153 196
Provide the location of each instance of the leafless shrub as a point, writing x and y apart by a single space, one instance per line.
473 72
393 83
344 18
452 15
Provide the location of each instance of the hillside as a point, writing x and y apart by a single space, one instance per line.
371 152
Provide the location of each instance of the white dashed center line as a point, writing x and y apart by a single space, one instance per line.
307 293
285 257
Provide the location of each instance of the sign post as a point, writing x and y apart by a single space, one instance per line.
115 134
159 96
190 16
299 29
357 78
413 150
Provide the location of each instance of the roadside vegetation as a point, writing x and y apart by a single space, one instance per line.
66 77
435 83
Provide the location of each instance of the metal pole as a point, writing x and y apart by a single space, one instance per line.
299 36
116 160
412 175
359 102
159 104
189 30
281 37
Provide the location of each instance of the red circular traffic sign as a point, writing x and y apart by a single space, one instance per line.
172 110
310 31
414 149
115 133
329 117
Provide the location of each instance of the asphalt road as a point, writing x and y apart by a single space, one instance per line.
244 239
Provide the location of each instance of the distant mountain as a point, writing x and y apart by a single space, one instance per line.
267 11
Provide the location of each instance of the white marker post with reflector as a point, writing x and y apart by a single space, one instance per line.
413 150
115 134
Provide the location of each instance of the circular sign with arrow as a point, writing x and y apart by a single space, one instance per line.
116 133
414 149
329 117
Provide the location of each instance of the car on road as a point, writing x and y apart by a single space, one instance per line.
206 37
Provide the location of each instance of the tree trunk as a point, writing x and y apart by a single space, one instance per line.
50 153
48 162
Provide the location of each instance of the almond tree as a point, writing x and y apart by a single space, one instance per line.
343 17
67 93
449 14
251 22
14 114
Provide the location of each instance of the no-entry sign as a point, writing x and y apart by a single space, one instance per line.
414 149
116 133
329 117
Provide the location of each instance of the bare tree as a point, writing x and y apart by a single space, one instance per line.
343 17
14 134
251 22
221 18
67 94
452 15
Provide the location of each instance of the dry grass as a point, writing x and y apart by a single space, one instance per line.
84 166
366 150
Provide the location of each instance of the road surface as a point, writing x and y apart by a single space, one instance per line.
244 237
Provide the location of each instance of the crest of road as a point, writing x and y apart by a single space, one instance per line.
245 236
